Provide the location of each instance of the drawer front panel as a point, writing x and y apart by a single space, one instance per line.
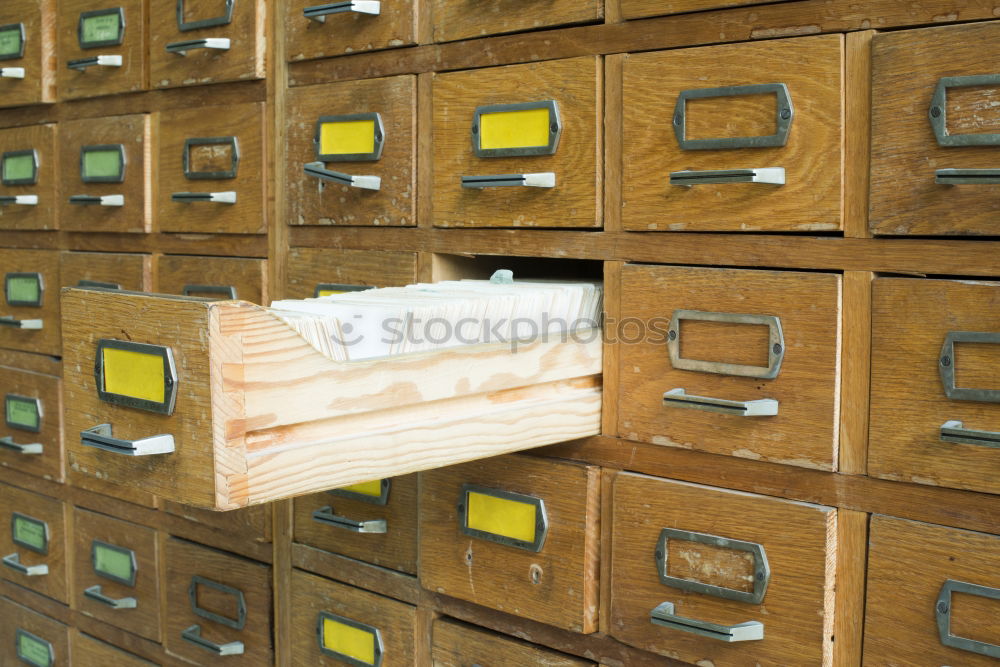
102 48
215 602
935 395
32 439
106 269
106 174
573 131
213 277
27 637
27 45
463 19
333 624
90 651
738 107
518 534
116 567
728 563
211 170
313 33
375 522
249 523
730 359
33 542
919 567
28 183
457 645
637 9
30 304
315 271
381 143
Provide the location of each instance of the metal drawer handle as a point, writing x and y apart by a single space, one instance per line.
13 561
11 72
193 635
82 64
938 111
664 615
946 366
545 179
768 175
967 176
762 407
21 200
181 48
9 321
7 442
94 593
105 200
954 431
943 611
100 437
228 197
319 13
325 516
319 170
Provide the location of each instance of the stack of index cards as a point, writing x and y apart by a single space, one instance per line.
430 316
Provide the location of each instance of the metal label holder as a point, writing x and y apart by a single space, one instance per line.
186 26
555 130
20 28
192 175
36 405
761 575
118 11
169 376
16 517
373 156
35 303
775 349
942 611
379 647
95 545
117 178
783 114
31 180
241 603
541 518
381 499
41 644
938 111
946 366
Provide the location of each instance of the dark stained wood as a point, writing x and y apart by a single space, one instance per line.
357 573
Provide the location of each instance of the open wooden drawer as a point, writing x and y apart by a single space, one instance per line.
255 414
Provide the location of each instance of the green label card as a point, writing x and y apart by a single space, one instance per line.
10 41
30 533
24 289
23 412
102 164
114 562
18 168
104 28
33 650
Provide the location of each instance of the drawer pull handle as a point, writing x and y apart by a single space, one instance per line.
13 561
943 612
319 13
663 615
182 48
967 176
325 516
768 175
82 64
954 431
94 593
105 200
225 291
9 321
784 113
228 197
8 443
546 179
946 366
938 111
20 200
762 407
319 170
100 437
11 72
193 635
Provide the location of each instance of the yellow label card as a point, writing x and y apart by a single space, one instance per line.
347 137
135 374
514 129
350 641
372 488
501 516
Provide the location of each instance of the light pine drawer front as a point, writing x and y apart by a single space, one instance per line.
117 573
351 153
637 9
102 48
106 174
33 542
935 394
28 178
90 651
935 136
211 170
32 439
213 277
757 365
109 270
336 624
195 42
373 521
314 30
250 524
545 152
518 534
218 607
702 574
27 637
463 19
317 271
767 115
29 309
27 52
457 645
933 595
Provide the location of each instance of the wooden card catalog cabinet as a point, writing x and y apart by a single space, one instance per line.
29 309
32 437
27 53
33 542
28 178
318 29
102 48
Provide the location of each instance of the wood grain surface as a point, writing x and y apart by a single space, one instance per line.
350 32
636 9
130 271
44 215
47 339
48 390
247 276
463 19
55 514
39 60
457 644
87 650
309 267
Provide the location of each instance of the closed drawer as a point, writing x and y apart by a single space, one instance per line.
933 595
336 624
195 42
637 9
351 150
213 277
110 270
32 442
217 605
27 637
722 382
28 178
211 170
106 174
316 29
708 575
462 19
373 521
766 115
934 135
457 644
320 271
90 651
935 417
29 314
536 160
27 52
33 541
519 534
252 524
102 48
